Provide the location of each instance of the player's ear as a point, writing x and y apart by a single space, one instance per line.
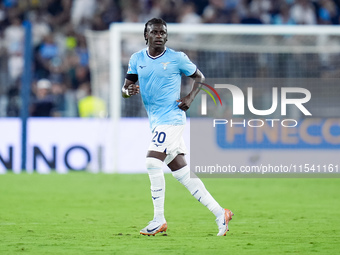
145 38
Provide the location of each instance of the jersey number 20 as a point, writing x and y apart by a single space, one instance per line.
160 136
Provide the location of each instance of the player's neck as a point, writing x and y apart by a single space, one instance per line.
155 52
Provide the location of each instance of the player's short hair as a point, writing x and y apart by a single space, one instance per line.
152 22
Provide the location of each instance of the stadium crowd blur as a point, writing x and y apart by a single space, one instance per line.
61 76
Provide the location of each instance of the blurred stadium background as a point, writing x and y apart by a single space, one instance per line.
62 64
68 91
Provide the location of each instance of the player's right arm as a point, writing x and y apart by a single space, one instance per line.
129 88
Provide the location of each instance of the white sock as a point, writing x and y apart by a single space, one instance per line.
156 175
198 190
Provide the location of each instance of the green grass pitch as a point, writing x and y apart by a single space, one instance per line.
83 213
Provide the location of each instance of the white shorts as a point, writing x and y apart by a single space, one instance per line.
168 139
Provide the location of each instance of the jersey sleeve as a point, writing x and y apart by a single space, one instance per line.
132 68
185 65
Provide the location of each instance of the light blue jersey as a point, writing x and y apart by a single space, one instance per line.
160 84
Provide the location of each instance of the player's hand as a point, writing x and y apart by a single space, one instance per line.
133 89
184 103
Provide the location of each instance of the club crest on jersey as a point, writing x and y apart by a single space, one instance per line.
165 65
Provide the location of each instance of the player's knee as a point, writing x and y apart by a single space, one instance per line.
153 163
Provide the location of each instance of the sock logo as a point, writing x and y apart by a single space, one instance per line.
155 190
154 198
195 193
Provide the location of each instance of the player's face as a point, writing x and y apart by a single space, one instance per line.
156 35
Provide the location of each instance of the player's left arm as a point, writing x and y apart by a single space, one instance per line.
186 101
